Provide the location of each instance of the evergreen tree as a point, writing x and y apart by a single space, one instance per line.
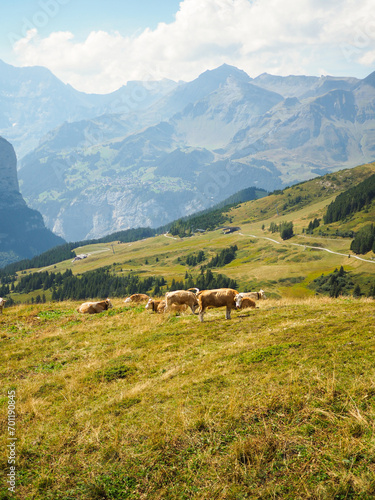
286 230
364 240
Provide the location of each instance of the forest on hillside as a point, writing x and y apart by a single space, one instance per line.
103 283
351 201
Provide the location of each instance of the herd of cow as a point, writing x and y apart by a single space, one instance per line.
180 300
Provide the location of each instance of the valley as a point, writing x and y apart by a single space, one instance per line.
284 268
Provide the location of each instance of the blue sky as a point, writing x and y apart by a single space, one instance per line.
97 46
83 16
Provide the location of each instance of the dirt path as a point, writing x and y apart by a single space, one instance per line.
351 256
171 237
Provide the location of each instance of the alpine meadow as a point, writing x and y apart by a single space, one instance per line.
277 402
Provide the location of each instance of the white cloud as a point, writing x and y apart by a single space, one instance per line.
277 36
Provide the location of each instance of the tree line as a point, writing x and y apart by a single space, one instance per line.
206 280
207 221
213 217
351 201
103 283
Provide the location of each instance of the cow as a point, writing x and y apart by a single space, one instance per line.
2 302
246 302
156 305
180 298
94 307
222 297
251 295
137 298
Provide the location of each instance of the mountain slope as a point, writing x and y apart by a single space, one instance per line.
199 143
22 230
150 177
33 102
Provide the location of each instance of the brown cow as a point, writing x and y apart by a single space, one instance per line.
137 298
246 302
181 298
156 305
2 302
222 297
94 307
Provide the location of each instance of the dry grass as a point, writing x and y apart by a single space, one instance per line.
276 403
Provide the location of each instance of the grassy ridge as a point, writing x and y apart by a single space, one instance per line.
276 403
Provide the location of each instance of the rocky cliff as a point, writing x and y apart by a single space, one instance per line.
22 230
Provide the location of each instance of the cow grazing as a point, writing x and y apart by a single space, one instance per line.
95 307
181 298
252 295
222 297
246 302
2 303
156 305
137 298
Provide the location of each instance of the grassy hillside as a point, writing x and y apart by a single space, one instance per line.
264 260
276 403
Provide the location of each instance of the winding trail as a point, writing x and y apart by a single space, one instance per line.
351 256
171 237
100 251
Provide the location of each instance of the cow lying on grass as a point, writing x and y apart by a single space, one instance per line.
95 307
159 306
181 298
2 303
222 297
246 302
137 298
254 295
155 305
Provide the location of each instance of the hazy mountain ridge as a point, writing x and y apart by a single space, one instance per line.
182 150
33 102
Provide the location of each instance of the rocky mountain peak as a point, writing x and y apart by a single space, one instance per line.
222 73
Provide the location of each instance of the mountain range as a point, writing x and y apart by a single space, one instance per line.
155 151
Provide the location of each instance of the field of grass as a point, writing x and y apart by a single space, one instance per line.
278 402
